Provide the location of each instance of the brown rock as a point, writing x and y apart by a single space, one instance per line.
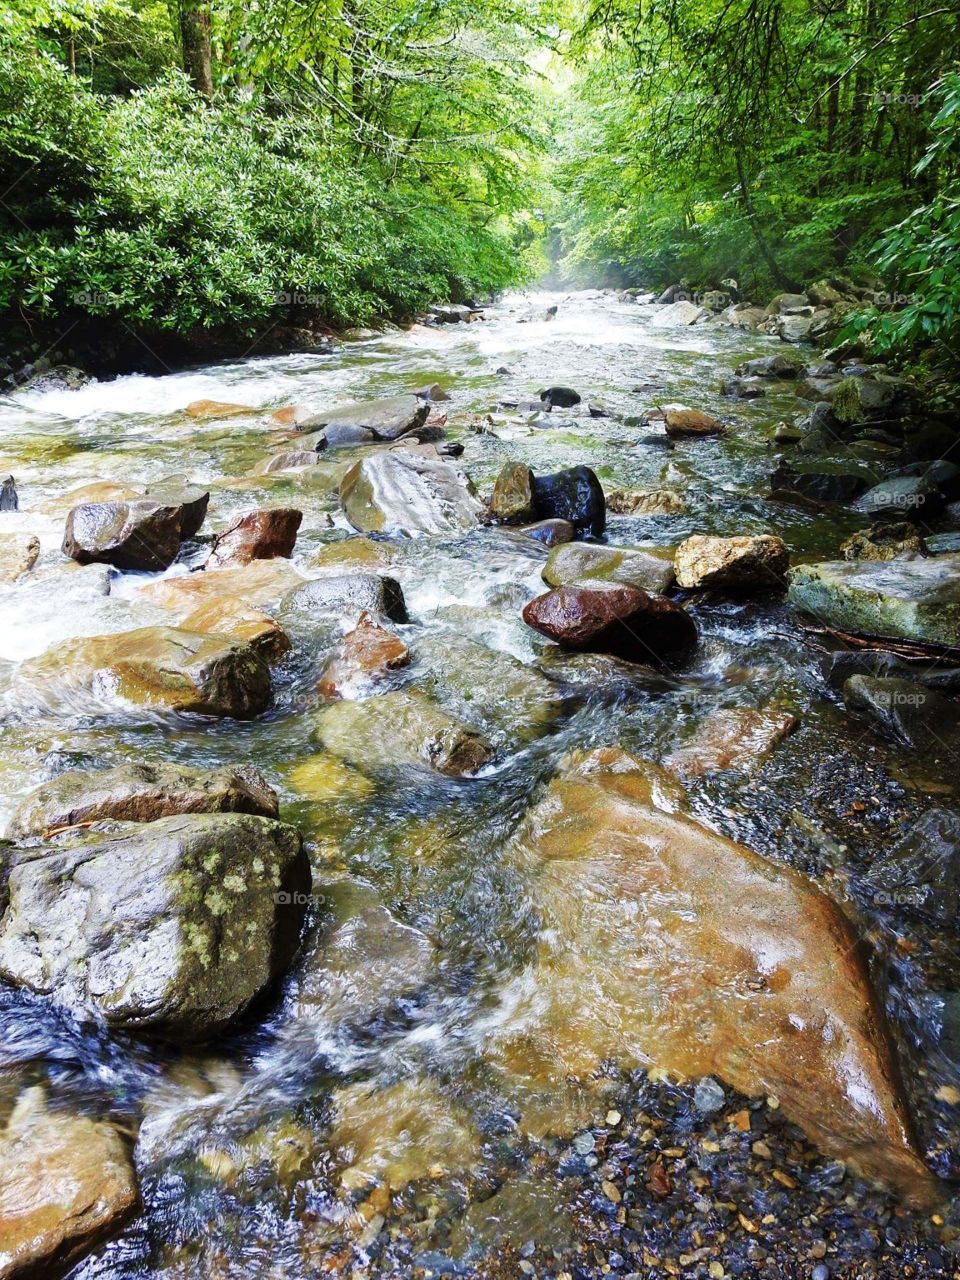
290 415
364 654
681 421
129 535
261 583
756 562
664 944
65 1181
735 738
18 555
645 502
267 534
139 793
241 622
512 501
204 410
886 540
605 617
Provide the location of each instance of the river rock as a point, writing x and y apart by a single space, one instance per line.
742 388
902 496
140 793
512 500
551 533
607 617
768 990
794 328
945 475
129 535
859 399
821 483
66 1181
635 567
207 410
266 534
786 304
751 563
678 315
734 738
347 594
261 584
919 872
241 622
885 541
575 495
388 419
780 366
681 421
289 460
402 727
153 667
839 666
340 435
9 499
170 927
406 493
356 552
900 599
645 502
367 653
18 555
192 499
906 711
434 393
560 397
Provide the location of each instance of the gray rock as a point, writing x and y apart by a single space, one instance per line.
60 377
920 872
340 434
906 712
678 315
9 499
388 419
577 562
140 535
902 496
346 594
838 667
708 1096
406 492
171 927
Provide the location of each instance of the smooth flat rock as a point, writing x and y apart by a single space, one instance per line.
387 419
664 944
681 421
576 561
153 667
261 583
346 594
733 738
241 622
210 410
678 315
139 793
900 599
66 1180
170 927
906 711
403 492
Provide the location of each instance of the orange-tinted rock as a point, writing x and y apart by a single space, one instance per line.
664 944
203 410
291 415
269 533
681 421
364 654
261 583
607 617
735 738
242 622
757 562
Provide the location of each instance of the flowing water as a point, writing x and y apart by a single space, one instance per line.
253 1153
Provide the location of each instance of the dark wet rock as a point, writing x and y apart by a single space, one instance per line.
906 711
140 793
512 500
388 419
681 421
933 441
902 496
450 449
575 495
68 1183
560 397
60 377
938 544
9 499
919 873
403 492
366 654
550 533
733 738
916 600
170 927
607 617
743 388
268 533
159 667
452 313
752 563
941 473
597 409
838 667
434 393
403 726
860 398
795 328
192 499
821 483
342 434
129 535
887 540
347 593
635 567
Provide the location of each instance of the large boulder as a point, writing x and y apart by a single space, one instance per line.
859 399
261 584
663 944
351 594
139 793
916 600
243 622
678 315
607 617
170 927
386 419
66 1181
577 561
407 493
266 534
402 727
192 499
156 667
913 496
757 562
574 494
129 535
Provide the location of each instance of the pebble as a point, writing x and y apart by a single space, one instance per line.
708 1096
584 1143
820 1272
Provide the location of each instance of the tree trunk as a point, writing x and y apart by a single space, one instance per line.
765 251
195 39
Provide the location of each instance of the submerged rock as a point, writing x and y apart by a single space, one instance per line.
139 793
129 535
66 1181
574 494
663 944
170 927
752 563
18 555
207 410
261 584
364 655
920 871
242 622
645 502
406 493
387 419
606 617
906 711
633 566
900 599
550 533
266 534
821 483
734 738
402 727
160 667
